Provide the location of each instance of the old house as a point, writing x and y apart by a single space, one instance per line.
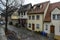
52 17
15 17
36 16
10 12
23 14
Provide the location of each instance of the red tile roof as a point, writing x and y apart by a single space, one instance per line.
39 10
50 9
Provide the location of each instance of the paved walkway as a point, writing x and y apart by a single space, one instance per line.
24 34
2 33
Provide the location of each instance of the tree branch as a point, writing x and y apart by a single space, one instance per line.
2 3
1 9
11 3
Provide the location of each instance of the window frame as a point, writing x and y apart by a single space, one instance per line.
37 26
38 6
29 25
37 17
46 27
34 7
24 13
29 17
56 17
33 17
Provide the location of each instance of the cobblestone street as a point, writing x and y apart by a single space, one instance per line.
24 34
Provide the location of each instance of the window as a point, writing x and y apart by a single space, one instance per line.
29 17
46 27
38 6
54 16
58 16
37 26
21 13
34 7
33 17
24 13
37 17
29 25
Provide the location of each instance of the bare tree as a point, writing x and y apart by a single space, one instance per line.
9 6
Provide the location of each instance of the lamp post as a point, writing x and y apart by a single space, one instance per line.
6 16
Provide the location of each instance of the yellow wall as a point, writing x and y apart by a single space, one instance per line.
40 22
15 15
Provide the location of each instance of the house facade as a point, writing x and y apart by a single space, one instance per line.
36 17
15 17
23 14
52 17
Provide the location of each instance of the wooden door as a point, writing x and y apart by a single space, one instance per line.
52 29
33 26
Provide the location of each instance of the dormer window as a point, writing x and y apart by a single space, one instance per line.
34 7
40 6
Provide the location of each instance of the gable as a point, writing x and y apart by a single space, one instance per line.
56 11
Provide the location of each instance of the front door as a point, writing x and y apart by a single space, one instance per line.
52 29
33 26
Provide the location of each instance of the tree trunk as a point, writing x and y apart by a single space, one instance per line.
6 17
6 20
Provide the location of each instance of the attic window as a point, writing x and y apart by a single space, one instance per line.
34 7
40 6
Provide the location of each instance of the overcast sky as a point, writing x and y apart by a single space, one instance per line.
39 1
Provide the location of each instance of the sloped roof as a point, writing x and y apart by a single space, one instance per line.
25 7
52 6
39 10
